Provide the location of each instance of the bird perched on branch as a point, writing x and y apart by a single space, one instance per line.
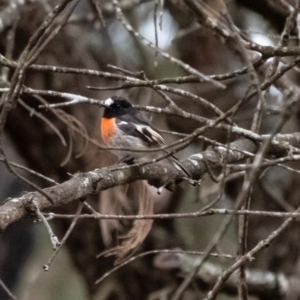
123 126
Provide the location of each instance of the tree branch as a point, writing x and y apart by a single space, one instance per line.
84 184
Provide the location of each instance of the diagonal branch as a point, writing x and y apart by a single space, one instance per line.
84 184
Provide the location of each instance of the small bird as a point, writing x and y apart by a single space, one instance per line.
123 126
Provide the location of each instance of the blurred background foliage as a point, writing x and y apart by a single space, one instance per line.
86 43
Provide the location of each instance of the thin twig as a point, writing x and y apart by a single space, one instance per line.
53 238
176 61
80 206
6 289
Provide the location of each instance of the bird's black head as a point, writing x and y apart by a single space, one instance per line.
116 107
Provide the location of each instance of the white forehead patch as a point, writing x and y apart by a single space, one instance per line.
108 102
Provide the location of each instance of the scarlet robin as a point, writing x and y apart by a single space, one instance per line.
123 126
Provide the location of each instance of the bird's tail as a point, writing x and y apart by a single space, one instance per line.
128 236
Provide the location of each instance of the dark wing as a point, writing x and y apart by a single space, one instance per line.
150 135
140 128
147 134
